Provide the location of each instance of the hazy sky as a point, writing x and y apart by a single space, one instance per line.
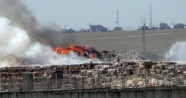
78 14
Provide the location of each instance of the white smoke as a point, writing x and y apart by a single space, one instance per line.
13 40
43 54
16 47
177 52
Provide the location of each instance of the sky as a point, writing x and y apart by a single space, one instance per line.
78 14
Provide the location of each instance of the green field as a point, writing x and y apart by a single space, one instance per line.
157 41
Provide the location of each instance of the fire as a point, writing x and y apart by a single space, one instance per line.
83 51
62 51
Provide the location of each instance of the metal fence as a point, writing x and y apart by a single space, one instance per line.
93 82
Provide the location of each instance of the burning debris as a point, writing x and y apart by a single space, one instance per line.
23 40
16 46
83 51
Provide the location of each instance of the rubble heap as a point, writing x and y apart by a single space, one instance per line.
120 56
105 55
118 75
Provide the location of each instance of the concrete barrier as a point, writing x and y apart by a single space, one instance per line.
155 92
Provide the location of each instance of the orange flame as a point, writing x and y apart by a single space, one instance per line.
62 51
77 49
93 56
83 51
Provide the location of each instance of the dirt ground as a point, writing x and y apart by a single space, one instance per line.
157 41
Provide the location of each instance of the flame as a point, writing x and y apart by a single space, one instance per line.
93 56
77 49
61 50
83 51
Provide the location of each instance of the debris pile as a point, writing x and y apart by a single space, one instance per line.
120 56
105 55
84 51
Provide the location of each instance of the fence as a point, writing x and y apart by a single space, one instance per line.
113 80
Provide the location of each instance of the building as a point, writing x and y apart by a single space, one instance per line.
164 26
179 25
98 28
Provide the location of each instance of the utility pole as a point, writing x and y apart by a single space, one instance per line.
143 27
65 26
117 18
90 27
151 26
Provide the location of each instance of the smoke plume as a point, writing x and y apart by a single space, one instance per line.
22 17
23 41
177 52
